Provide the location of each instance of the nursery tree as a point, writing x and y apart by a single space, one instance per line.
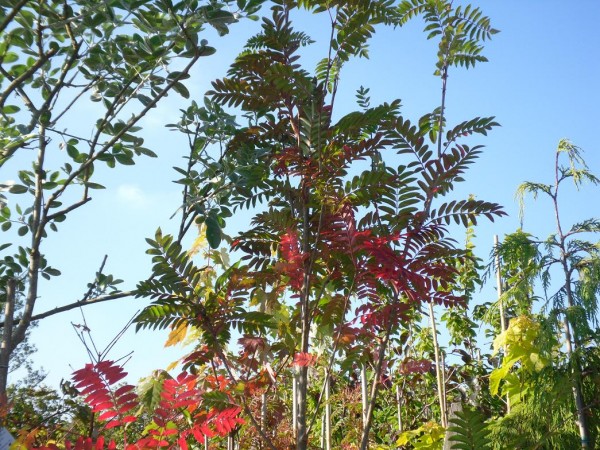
54 57
348 236
576 255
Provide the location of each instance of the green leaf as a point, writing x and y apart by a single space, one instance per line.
10 57
10 109
94 185
181 90
213 232
73 152
17 189
500 373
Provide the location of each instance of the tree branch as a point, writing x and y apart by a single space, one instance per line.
79 303
20 79
11 15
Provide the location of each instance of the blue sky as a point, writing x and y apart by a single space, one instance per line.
541 83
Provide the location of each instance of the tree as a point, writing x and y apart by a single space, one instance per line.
53 57
348 214
576 299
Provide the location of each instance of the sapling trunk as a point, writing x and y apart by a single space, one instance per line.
399 403
294 403
6 346
327 413
441 385
364 445
364 388
500 302
571 341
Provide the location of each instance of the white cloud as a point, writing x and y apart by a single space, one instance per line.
6 185
131 195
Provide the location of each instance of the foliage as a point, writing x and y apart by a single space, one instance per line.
469 432
55 57
429 436
520 348
548 394
321 234
180 415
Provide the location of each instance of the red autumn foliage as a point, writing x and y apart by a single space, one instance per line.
179 396
95 382
292 259
304 359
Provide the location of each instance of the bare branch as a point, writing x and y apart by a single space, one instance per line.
78 304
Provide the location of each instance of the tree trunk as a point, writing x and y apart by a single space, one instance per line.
439 370
294 403
500 302
364 388
577 395
454 408
364 444
327 414
302 437
6 345
399 402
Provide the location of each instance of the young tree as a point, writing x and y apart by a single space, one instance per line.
54 56
348 235
577 258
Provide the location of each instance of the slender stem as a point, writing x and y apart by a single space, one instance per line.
11 14
399 403
6 345
327 413
500 302
438 368
364 387
294 403
571 341
364 445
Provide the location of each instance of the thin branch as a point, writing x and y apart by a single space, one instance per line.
75 99
11 15
25 75
67 210
132 122
80 303
20 91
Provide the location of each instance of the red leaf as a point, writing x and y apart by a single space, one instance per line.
107 415
226 420
415 366
127 398
112 424
304 359
182 443
292 259
123 390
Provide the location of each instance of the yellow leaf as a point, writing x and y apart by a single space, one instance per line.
199 242
172 365
193 336
177 335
